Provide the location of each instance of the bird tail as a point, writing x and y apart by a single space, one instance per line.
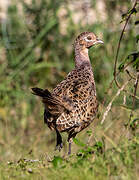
53 104
40 92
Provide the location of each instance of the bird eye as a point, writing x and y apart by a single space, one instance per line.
89 38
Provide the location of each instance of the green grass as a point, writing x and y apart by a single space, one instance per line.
91 162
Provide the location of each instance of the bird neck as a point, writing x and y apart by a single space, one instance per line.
81 56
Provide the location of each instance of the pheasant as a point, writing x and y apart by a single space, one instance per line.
72 105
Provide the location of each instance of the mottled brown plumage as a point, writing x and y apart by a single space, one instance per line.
72 105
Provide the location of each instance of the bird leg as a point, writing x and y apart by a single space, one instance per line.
70 142
59 143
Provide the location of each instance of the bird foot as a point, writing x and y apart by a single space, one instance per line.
69 152
59 147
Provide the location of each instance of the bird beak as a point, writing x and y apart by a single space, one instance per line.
99 41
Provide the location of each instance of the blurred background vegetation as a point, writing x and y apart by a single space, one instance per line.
36 49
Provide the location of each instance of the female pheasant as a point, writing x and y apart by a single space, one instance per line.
72 105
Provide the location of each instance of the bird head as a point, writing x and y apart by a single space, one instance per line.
87 40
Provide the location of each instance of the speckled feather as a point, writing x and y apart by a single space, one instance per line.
79 87
72 105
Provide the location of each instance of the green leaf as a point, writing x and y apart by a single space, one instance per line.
121 67
133 11
137 38
125 15
99 144
134 57
89 132
134 124
57 161
78 142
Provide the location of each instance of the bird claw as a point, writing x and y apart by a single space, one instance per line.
59 147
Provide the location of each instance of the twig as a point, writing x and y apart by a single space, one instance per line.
131 94
124 100
135 92
119 43
131 76
110 104
112 142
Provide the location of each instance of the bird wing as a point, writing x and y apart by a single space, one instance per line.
55 105
79 88
71 86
